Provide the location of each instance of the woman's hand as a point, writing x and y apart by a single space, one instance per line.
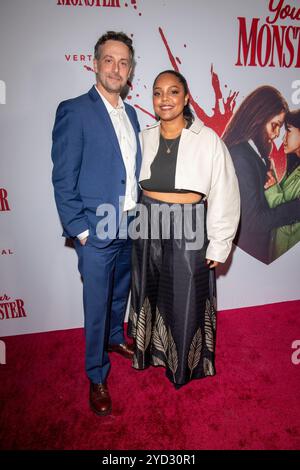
211 263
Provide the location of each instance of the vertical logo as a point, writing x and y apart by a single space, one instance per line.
3 200
2 92
2 353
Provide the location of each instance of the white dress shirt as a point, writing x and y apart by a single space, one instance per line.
127 142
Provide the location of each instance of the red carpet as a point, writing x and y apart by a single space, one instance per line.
252 402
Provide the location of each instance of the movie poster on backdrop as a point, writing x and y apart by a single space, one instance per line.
241 60
262 134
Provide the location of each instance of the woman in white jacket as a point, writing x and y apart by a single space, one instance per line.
187 219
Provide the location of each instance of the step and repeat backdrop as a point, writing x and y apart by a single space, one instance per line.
226 50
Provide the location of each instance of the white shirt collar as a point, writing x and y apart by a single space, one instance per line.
254 147
107 104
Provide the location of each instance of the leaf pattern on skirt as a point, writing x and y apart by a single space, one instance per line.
144 327
209 322
160 339
133 319
208 368
172 354
135 363
156 361
195 351
213 309
163 341
160 334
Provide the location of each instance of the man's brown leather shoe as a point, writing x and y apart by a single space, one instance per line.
125 349
100 401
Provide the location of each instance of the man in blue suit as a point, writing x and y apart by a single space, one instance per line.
96 156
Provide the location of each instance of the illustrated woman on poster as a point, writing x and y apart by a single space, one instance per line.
289 187
249 136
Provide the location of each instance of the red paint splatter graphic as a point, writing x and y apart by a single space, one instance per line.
145 111
90 69
219 119
133 3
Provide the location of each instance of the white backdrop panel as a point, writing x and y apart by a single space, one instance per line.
36 37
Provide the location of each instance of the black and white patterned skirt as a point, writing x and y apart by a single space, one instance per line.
173 299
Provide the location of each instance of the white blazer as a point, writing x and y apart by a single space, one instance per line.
203 165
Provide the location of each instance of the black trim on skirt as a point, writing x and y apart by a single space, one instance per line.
173 297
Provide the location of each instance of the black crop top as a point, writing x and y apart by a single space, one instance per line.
163 168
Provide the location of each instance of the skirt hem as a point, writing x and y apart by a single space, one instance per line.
196 377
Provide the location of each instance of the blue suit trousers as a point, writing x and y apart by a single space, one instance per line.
106 275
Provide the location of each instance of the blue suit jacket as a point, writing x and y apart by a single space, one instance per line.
88 165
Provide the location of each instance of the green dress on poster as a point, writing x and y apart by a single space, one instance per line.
288 189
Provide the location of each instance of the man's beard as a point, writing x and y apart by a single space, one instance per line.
111 87
117 88
262 142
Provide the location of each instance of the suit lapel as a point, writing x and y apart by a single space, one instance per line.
101 111
104 118
262 167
